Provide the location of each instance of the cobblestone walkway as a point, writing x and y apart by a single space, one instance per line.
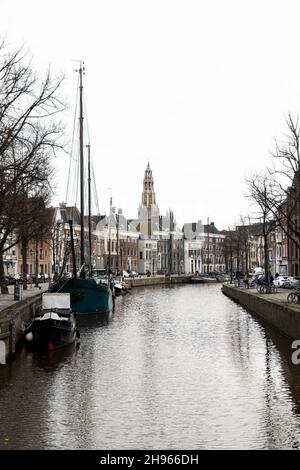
6 300
278 297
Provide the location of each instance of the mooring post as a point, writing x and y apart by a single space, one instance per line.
12 337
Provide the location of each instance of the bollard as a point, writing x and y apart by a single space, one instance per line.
12 338
2 352
18 291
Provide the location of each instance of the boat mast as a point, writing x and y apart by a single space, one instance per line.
82 272
109 237
90 209
118 241
208 244
73 249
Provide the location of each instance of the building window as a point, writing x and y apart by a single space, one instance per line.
141 255
284 254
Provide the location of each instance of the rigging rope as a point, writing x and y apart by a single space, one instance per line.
73 185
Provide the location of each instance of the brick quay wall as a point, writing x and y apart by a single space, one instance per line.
157 280
272 308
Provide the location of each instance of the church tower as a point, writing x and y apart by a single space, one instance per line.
148 213
148 196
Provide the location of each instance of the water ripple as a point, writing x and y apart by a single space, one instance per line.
173 368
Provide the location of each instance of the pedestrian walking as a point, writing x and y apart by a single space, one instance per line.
246 281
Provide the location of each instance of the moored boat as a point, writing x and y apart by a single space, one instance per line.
55 325
88 295
120 286
202 279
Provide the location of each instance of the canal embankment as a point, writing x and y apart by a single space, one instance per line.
272 308
15 314
144 281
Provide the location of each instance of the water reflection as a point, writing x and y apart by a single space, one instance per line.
263 357
94 320
53 360
176 368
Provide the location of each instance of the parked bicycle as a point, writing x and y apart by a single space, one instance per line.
266 289
294 297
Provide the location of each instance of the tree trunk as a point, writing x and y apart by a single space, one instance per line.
4 288
267 274
24 262
231 271
36 262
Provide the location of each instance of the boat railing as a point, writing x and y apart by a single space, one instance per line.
60 311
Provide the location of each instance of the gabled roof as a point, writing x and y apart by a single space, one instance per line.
211 228
70 213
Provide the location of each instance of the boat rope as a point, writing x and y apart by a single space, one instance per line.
72 189
63 285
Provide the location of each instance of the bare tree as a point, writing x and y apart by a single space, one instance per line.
260 192
29 134
242 237
284 196
230 251
35 224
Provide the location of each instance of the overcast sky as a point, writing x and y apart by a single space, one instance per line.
198 88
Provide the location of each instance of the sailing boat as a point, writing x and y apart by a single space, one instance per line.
88 295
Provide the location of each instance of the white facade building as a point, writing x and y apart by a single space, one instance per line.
193 247
147 256
193 256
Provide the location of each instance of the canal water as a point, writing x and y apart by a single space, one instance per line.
173 368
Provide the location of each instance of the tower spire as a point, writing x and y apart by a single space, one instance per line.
148 196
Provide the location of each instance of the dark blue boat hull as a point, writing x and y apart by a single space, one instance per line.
86 295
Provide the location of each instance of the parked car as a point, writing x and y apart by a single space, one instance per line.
214 273
133 274
256 271
279 281
291 282
161 271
